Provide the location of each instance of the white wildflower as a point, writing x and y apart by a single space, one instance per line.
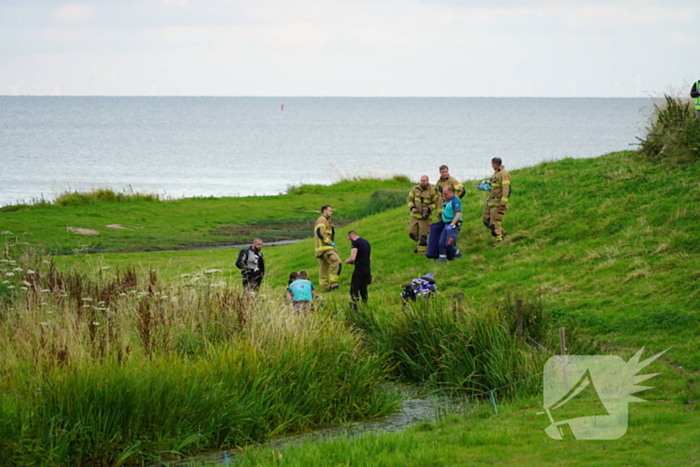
28 284
29 271
212 271
95 323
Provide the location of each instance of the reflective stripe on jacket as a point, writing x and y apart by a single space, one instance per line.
324 235
500 188
419 198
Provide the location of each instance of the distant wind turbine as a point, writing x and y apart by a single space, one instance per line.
617 88
573 88
638 82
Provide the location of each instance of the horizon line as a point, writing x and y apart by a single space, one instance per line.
333 97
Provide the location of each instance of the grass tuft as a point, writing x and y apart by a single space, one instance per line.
674 132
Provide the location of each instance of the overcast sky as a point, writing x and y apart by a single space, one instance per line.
539 48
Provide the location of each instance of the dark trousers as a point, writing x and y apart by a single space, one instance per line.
448 242
251 281
361 277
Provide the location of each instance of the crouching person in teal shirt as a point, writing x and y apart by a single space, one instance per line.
302 292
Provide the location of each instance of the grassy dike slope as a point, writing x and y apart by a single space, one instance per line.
608 244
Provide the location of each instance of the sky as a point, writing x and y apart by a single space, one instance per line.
452 48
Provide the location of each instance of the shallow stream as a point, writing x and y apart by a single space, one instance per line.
416 407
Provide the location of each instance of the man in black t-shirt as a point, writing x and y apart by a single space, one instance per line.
361 257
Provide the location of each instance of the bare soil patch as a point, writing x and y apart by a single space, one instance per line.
82 231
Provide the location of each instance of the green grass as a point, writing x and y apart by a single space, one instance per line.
606 247
610 248
656 436
135 222
118 368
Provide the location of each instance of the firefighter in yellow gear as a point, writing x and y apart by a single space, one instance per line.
446 180
422 201
329 265
497 201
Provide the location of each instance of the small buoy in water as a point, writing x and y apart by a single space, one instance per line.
282 107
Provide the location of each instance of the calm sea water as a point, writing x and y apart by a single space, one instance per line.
237 146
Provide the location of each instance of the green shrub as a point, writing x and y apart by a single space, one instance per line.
674 132
401 179
383 200
15 208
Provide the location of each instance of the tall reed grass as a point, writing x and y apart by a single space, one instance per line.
115 368
102 195
440 343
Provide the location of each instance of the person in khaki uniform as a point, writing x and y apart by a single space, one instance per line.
446 180
497 201
422 201
329 265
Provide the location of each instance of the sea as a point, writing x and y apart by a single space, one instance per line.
244 146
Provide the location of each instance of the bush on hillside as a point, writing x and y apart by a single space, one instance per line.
674 132
401 179
382 200
101 195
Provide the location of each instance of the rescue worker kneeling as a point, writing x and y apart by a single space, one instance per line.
422 201
329 265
